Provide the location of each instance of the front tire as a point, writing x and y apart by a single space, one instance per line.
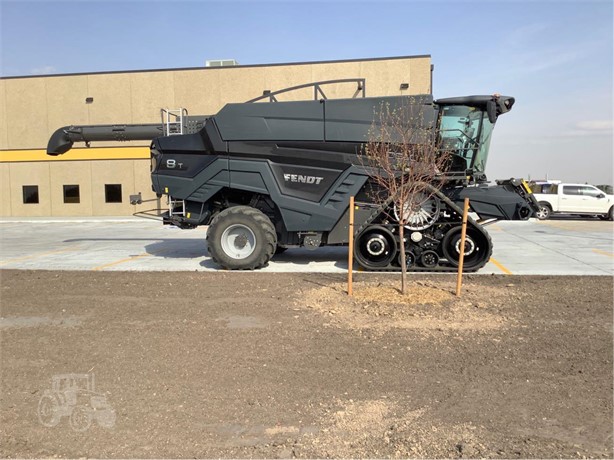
544 211
241 238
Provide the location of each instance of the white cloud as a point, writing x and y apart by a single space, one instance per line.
532 62
530 50
596 125
45 70
525 34
592 128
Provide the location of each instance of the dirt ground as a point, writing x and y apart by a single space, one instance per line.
286 365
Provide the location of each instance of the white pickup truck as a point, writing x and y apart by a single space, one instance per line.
580 199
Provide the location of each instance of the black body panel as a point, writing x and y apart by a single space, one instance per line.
337 120
351 120
266 121
304 182
491 201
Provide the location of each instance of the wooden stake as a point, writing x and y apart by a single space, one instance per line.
351 246
461 258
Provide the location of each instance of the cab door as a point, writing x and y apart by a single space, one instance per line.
572 199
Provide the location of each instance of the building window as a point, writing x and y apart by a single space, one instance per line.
113 193
71 194
30 194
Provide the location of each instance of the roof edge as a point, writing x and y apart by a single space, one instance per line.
109 72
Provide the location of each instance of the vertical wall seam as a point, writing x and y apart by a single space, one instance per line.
45 80
6 119
131 96
134 166
11 190
50 191
87 91
173 88
409 79
91 190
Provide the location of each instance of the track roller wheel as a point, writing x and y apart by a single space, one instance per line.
429 259
410 260
478 248
375 247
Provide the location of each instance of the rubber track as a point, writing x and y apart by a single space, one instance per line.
470 221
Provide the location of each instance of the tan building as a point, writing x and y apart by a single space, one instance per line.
97 181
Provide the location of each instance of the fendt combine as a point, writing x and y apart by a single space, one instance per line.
268 175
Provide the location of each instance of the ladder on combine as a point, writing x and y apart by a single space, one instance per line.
173 125
173 121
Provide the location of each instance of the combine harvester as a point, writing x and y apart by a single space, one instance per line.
268 175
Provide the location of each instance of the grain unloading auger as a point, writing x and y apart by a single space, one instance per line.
267 176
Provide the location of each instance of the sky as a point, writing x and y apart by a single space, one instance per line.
554 57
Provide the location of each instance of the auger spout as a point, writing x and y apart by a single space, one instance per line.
62 140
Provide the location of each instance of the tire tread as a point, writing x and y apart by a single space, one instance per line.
265 225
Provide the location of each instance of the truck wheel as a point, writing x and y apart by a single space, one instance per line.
611 213
544 211
241 238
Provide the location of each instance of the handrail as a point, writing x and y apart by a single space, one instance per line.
317 90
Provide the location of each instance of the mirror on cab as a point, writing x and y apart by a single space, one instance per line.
491 110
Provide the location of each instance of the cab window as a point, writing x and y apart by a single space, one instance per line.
459 131
572 190
591 191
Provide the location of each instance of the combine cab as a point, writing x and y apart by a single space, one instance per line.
268 175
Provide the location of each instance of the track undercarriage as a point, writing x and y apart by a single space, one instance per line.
431 239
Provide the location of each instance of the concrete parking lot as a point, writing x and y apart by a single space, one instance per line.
554 247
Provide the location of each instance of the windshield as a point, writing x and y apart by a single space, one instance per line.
465 131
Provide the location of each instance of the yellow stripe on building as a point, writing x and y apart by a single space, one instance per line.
100 153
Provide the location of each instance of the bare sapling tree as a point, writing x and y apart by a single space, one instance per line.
406 167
